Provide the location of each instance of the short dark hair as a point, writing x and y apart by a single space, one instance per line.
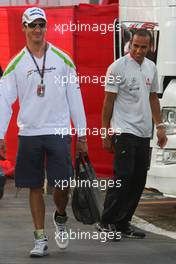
142 32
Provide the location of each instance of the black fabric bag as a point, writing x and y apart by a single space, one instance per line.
86 201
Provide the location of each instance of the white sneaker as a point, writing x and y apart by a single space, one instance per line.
40 249
61 234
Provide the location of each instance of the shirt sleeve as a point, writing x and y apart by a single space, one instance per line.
8 95
76 103
113 80
155 84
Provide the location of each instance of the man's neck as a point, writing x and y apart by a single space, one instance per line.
37 49
138 62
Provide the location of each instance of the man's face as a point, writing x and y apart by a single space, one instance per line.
139 47
35 31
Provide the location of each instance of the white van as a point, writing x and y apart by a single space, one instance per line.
158 16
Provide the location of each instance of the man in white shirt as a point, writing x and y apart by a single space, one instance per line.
40 76
129 105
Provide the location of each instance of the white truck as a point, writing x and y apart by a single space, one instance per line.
158 16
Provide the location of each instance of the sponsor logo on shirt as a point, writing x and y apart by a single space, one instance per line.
29 73
113 79
34 71
148 82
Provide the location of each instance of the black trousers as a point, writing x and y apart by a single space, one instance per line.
131 162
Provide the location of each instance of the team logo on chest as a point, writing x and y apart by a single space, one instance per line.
133 80
133 84
148 82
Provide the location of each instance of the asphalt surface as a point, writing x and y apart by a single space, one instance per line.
16 238
158 210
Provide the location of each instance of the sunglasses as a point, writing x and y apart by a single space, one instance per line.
34 25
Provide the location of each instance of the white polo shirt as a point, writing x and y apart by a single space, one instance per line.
133 84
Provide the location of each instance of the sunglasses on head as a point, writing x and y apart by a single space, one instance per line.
34 25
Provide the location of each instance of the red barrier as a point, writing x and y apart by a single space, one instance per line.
94 55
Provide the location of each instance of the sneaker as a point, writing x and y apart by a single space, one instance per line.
112 233
40 249
61 234
132 232
104 228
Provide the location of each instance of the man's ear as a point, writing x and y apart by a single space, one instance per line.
46 27
149 48
23 27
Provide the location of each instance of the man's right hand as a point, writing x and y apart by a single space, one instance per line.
2 149
107 144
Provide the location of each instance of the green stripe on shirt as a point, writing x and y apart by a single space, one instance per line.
69 63
14 64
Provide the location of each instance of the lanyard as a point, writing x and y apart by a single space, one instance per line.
43 66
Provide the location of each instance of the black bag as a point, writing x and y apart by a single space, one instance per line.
86 200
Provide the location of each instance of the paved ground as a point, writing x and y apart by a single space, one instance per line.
158 210
16 239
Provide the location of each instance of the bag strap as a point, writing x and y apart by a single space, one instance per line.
77 167
81 161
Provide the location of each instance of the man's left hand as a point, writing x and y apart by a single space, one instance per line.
81 148
162 138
